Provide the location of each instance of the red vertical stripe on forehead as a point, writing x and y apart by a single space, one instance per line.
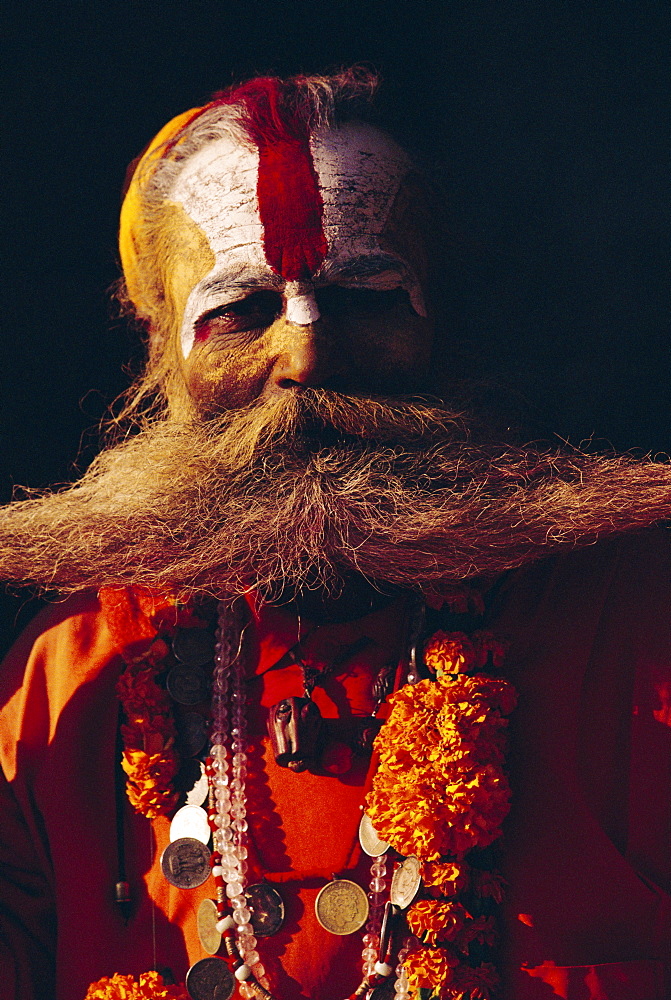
290 206
290 203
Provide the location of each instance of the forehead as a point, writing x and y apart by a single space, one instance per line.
288 211
351 182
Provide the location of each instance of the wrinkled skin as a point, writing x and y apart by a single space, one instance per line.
365 341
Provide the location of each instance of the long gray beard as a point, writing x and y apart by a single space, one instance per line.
305 490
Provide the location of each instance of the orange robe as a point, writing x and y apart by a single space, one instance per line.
587 847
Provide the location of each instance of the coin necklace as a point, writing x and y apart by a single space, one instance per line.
342 907
456 659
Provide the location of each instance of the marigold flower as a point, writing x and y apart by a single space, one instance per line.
149 733
488 884
432 921
431 797
480 929
149 987
449 653
149 786
468 983
445 879
429 968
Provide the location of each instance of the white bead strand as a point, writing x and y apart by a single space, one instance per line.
230 726
376 900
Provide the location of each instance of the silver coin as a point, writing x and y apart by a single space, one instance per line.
210 979
372 844
193 646
210 937
341 907
405 882
200 790
190 822
187 685
267 909
186 863
192 728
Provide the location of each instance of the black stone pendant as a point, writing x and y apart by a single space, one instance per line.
294 727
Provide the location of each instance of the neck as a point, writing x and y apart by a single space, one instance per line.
357 597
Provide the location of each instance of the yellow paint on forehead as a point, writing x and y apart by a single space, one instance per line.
186 256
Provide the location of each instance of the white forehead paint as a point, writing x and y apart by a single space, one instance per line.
302 307
360 171
217 189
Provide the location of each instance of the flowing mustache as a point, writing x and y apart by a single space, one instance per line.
305 489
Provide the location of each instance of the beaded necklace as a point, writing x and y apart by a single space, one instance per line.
443 953
227 770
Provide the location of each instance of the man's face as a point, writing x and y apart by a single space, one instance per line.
356 322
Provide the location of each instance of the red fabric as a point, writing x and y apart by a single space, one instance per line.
587 845
615 981
590 763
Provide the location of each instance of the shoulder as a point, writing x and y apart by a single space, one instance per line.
619 587
638 564
67 645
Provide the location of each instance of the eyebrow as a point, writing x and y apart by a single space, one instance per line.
243 281
362 267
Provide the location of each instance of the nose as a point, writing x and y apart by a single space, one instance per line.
304 357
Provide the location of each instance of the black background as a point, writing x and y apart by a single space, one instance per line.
547 123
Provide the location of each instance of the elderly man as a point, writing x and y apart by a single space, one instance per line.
259 744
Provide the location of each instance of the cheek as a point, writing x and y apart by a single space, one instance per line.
395 346
224 380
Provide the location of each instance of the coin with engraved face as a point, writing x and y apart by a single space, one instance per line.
210 937
187 685
267 908
190 821
342 907
405 882
210 979
186 863
191 733
193 646
369 840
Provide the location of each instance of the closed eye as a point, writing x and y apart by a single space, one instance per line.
257 311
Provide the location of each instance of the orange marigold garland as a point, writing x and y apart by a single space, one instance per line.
150 760
149 987
149 757
439 793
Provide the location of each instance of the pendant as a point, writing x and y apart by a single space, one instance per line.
267 909
405 882
210 979
186 863
193 646
200 789
190 821
206 920
187 685
294 727
342 907
371 843
192 733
